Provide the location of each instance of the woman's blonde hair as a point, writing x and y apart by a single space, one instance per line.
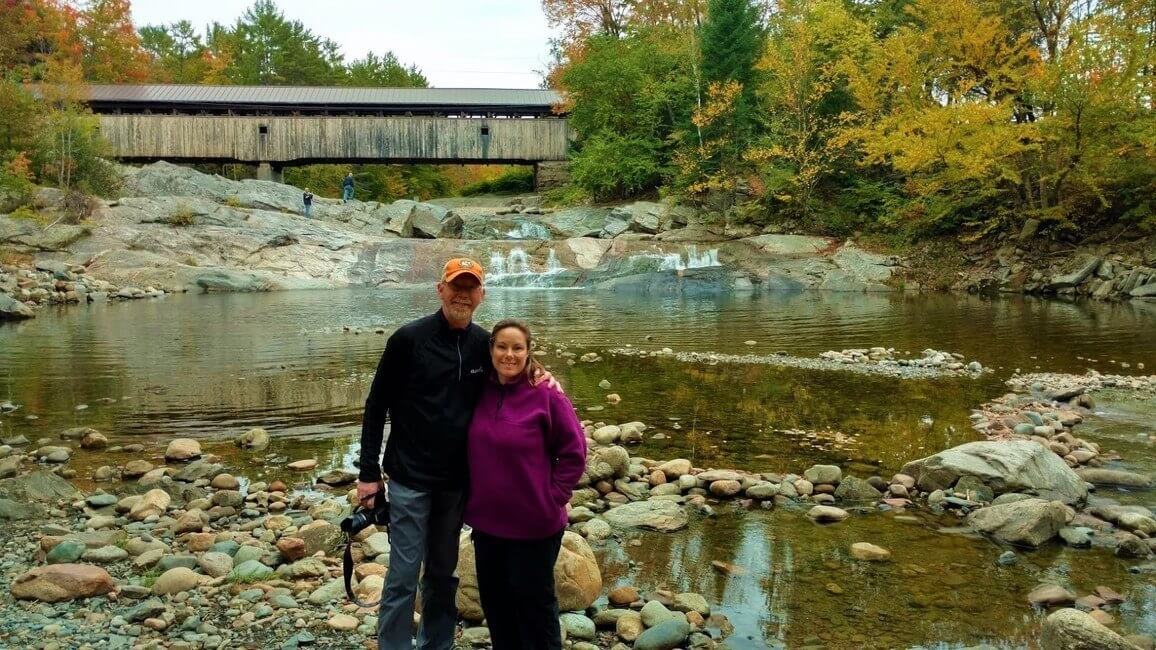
532 365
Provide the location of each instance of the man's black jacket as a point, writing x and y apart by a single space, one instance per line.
428 380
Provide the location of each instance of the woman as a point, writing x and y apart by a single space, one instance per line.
526 453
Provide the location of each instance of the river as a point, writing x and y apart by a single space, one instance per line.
212 366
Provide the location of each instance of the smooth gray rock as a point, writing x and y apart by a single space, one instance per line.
664 516
1004 466
12 309
1027 523
1071 629
667 635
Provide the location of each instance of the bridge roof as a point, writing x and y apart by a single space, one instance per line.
174 94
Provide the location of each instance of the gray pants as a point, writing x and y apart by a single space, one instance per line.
423 527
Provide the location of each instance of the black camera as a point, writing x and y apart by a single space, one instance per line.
363 518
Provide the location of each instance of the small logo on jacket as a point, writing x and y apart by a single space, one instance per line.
474 371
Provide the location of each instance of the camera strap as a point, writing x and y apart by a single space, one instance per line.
347 570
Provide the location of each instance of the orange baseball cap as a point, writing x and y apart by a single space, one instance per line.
460 265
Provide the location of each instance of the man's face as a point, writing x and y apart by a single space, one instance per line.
461 296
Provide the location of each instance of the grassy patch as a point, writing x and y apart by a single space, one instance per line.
248 580
182 217
234 201
149 578
15 258
26 213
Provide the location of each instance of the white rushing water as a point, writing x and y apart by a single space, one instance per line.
691 259
514 269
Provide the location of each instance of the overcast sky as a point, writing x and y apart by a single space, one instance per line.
455 43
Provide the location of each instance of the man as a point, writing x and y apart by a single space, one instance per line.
428 380
307 199
347 188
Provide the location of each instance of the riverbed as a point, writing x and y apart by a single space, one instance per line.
299 365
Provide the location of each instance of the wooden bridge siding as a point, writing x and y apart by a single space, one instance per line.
339 138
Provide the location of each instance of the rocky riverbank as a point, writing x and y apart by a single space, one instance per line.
172 550
1105 270
176 229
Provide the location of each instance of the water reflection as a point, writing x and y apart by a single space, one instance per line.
801 587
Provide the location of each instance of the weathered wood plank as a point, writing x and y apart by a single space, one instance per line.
368 139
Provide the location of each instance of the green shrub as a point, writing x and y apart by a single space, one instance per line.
565 196
514 181
234 201
611 166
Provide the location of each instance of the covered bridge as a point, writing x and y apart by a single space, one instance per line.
274 126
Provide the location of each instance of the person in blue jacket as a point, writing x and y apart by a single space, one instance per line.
347 188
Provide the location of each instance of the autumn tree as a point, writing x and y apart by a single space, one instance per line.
112 47
580 19
803 95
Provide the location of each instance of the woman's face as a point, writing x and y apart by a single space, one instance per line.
509 353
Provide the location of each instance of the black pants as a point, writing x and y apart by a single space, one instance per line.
516 586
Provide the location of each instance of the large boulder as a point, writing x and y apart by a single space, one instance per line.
60 582
1071 629
231 281
40 486
1004 466
430 221
1082 269
577 578
577 222
663 516
13 309
582 252
1030 522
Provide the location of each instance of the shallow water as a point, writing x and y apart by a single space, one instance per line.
212 366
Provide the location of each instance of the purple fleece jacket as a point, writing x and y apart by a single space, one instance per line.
526 454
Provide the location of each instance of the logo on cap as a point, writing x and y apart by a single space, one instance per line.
462 265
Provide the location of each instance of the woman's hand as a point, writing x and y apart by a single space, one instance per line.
544 375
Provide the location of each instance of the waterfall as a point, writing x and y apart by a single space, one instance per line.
514 270
552 265
690 259
497 265
518 262
528 230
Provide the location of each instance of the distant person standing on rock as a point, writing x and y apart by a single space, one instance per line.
428 382
307 199
347 188
527 451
